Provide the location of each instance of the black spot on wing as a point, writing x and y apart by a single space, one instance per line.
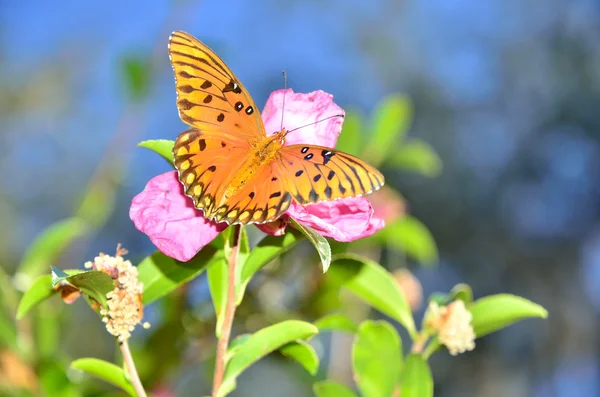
327 155
276 194
317 177
330 175
207 84
313 196
202 144
212 168
299 172
328 192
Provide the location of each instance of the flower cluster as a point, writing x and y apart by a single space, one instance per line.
452 323
179 230
125 309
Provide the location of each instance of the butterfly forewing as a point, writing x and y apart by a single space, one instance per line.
209 95
317 173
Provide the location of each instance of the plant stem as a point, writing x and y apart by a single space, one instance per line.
131 370
229 312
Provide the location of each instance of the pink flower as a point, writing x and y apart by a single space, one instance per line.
179 230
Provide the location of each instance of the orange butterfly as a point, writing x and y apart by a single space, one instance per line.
228 165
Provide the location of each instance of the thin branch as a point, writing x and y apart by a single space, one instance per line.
229 312
131 370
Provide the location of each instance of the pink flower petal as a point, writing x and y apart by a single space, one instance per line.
300 110
343 220
169 218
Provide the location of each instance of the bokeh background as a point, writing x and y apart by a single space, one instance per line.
507 92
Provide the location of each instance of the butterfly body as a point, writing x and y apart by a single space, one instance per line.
229 166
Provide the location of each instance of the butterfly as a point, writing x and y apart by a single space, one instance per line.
228 165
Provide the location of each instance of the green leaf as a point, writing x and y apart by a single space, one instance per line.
409 235
336 322
391 120
40 290
50 244
260 344
461 292
235 345
416 380
495 312
376 358
417 155
349 140
106 371
164 147
318 241
375 285
93 283
161 274
303 353
328 388
136 73
265 251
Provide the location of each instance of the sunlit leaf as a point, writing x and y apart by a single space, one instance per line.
50 244
303 353
495 312
376 286
164 147
260 344
40 290
328 388
349 140
376 358
417 156
318 241
106 371
161 274
265 251
416 379
336 322
8 331
410 236
391 120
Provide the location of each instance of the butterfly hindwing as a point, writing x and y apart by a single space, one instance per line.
209 95
316 173
206 162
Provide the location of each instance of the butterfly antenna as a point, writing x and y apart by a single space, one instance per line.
284 92
316 122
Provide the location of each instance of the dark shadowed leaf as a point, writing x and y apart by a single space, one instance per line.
93 283
319 242
376 358
416 380
106 371
136 73
375 285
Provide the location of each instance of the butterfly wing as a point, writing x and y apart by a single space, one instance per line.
316 173
206 160
224 118
209 96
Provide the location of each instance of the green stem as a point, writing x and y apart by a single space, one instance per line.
229 312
